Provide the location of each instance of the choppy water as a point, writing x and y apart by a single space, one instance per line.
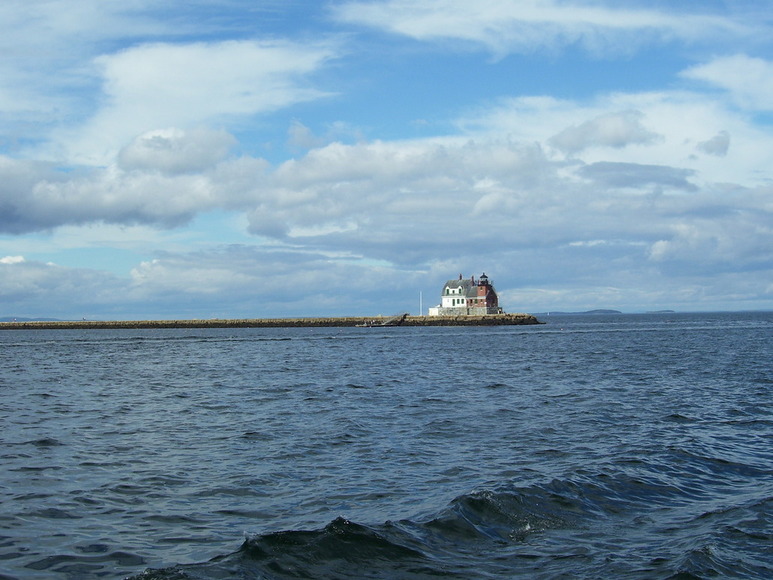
630 446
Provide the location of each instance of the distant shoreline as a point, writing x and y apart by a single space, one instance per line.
344 321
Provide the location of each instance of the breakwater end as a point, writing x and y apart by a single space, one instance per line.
482 320
488 320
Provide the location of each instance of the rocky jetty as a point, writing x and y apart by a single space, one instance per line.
482 320
487 320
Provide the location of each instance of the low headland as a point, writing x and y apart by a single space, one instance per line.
365 321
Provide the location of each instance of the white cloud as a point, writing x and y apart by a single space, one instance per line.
153 86
422 189
31 286
165 179
504 193
259 281
625 195
748 80
668 128
478 199
615 130
78 81
527 25
720 238
12 260
173 151
38 198
45 75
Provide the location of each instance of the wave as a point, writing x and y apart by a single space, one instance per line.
447 545
595 527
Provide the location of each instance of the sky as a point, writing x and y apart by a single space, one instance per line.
284 158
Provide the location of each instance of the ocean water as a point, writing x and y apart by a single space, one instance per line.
625 446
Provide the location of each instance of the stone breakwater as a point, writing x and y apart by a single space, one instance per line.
490 320
487 320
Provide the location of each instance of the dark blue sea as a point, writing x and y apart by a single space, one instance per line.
595 446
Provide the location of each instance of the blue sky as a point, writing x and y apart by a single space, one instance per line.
243 158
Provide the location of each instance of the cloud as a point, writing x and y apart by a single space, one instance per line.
423 189
527 186
637 176
31 285
717 145
163 178
46 79
37 197
713 245
79 81
672 126
527 25
17 180
238 281
173 151
154 115
497 198
153 86
748 80
261 281
299 135
502 193
610 130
